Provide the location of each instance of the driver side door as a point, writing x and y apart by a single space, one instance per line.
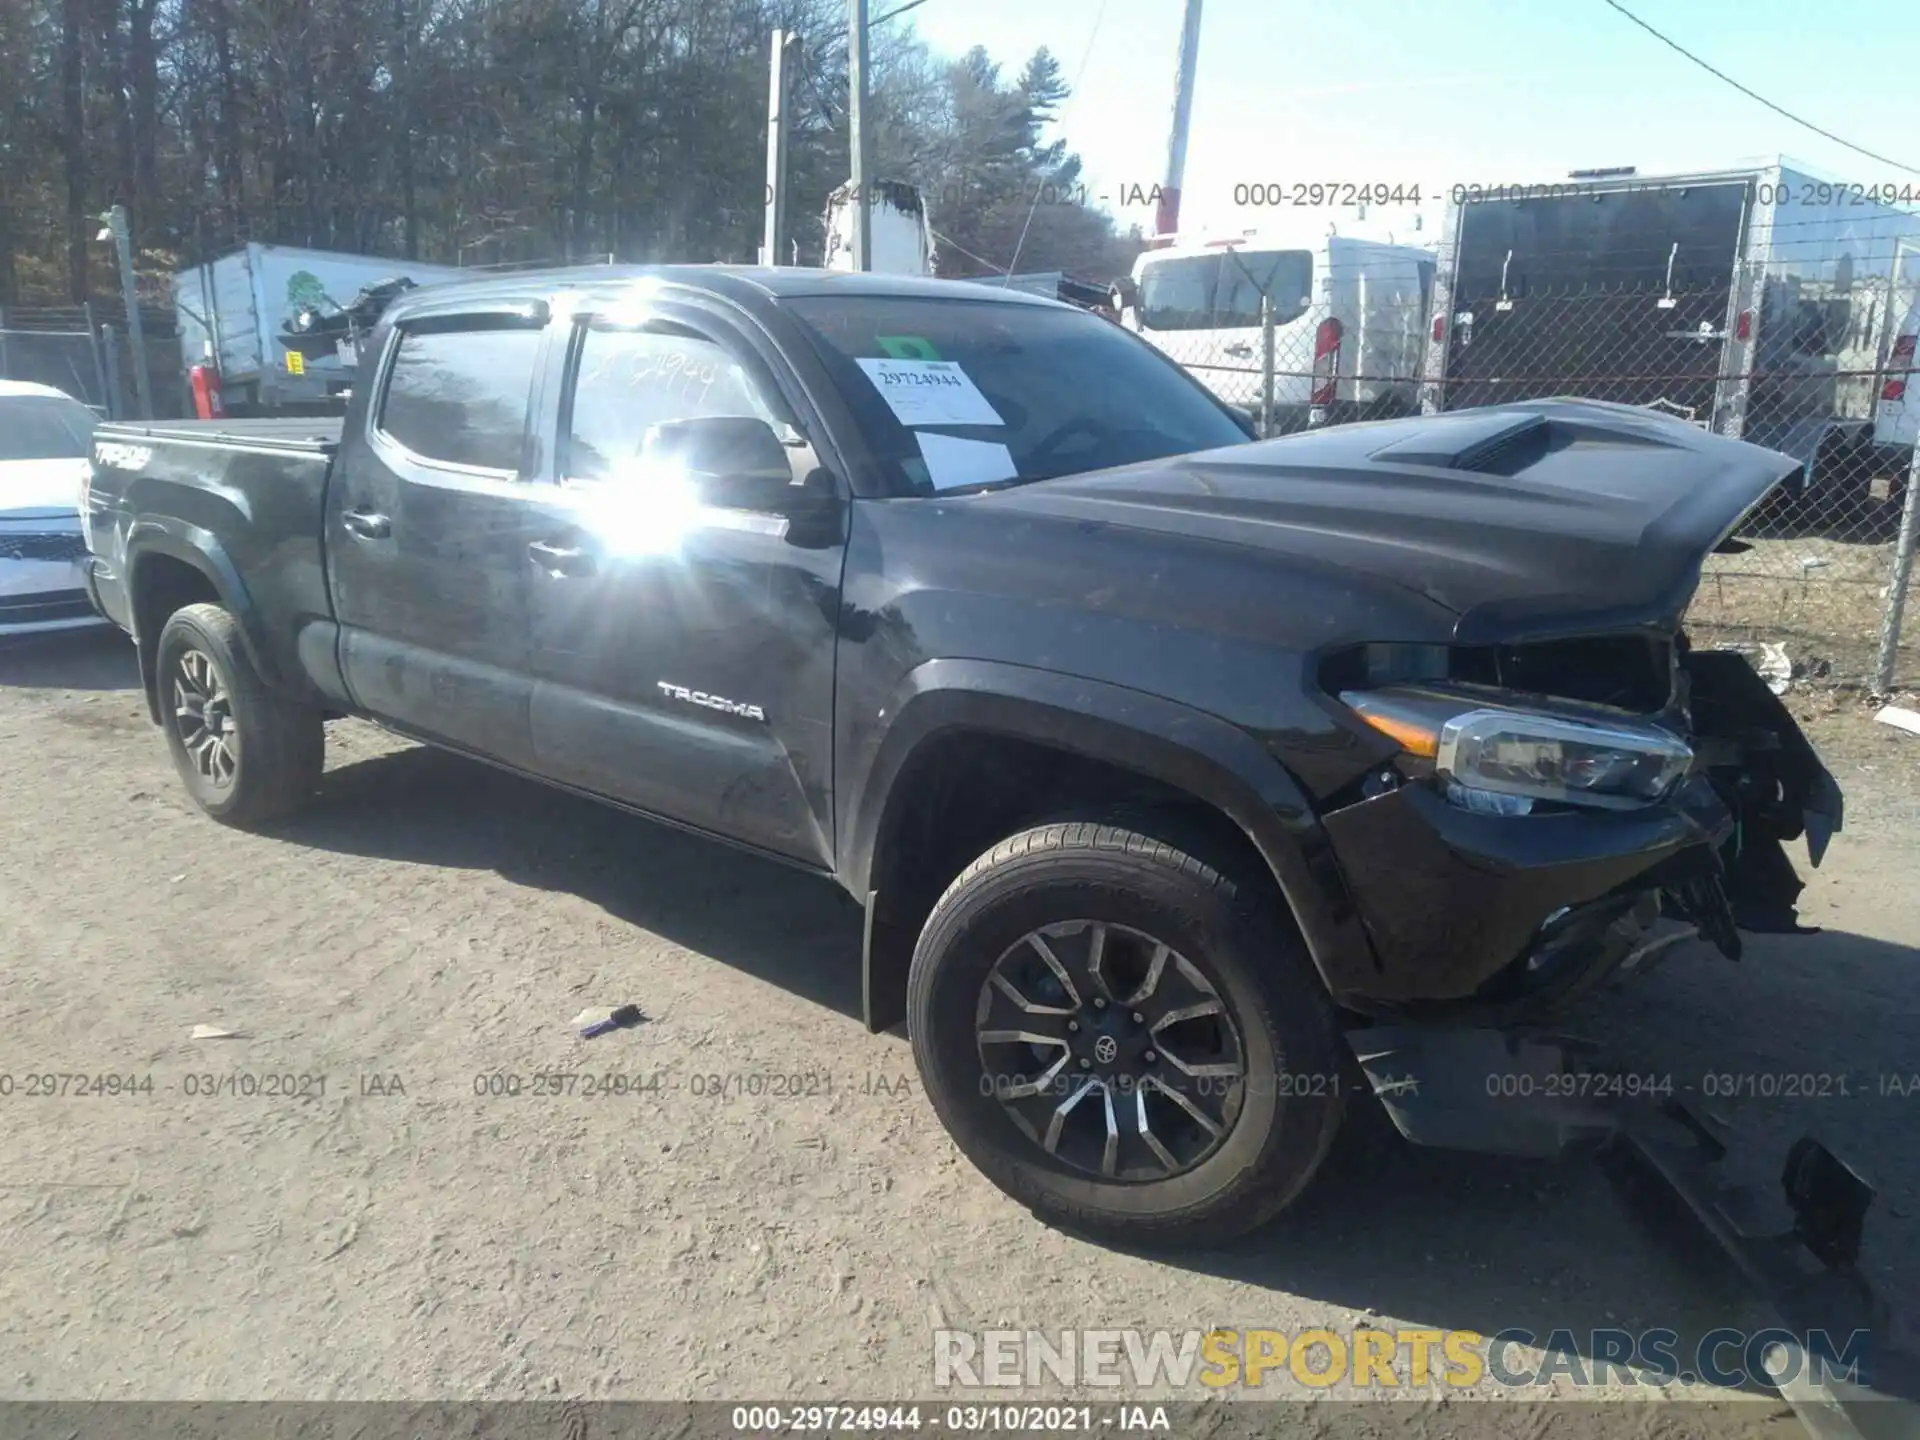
683 652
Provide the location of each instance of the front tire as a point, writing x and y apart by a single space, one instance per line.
245 754
1124 1037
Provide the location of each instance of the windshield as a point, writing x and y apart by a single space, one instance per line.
44 427
1222 291
953 393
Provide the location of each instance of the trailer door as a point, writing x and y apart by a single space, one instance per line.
1618 294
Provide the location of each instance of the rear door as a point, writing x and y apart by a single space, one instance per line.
684 653
1613 295
428 523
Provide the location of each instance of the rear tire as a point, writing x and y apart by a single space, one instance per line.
245 754
1103 898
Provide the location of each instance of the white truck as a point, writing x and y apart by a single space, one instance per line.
902 240
1348 303
1761 302
233 311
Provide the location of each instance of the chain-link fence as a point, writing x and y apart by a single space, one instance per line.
1792 331
87 352
66 360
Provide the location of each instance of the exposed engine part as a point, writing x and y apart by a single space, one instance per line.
1704 902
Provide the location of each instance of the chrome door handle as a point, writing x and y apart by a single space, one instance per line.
367 524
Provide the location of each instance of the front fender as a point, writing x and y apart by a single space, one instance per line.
1194 752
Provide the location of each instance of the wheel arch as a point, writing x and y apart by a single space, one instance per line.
1170 753
171 564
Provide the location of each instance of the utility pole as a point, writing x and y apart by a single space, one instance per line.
783 40
115 221
1166 218
861 141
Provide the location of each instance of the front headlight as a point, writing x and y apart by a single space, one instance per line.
1545 757
1501 761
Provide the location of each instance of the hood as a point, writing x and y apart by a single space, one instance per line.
41 489
1526 520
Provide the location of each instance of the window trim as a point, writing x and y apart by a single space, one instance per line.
607 319
433 470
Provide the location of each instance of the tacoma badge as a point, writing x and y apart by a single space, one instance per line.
712 702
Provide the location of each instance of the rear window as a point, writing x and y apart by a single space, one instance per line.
459 396
1222 292
957 393
44 427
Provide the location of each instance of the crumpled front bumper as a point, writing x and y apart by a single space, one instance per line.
1512 1093
1451 897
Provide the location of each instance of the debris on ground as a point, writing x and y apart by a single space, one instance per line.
1900 718
213 1032
1772 663
593 1023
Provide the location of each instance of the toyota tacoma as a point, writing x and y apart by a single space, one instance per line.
1172 770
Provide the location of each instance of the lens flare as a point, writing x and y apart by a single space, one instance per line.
643 507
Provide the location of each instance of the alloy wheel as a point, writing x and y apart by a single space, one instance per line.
1112 1051
203 715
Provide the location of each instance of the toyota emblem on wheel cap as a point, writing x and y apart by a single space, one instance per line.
1105 1048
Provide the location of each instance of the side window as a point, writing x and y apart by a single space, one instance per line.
628 380
460 395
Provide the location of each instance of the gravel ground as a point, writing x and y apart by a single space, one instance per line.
390 1230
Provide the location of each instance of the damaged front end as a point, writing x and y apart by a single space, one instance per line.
1545 816
1562 792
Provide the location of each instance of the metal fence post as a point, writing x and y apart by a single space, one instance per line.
116 219
1902 578
110 352
99 359
1266 367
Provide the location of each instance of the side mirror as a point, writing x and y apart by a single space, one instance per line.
733 460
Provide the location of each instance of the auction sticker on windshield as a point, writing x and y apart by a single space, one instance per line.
930 392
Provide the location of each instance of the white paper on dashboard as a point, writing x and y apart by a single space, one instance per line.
952 463
930 392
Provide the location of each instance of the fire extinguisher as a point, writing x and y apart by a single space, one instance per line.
205 382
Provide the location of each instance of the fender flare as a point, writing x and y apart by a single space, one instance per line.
152 535
1215 762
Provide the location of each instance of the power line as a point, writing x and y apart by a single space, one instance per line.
1072 96
1754 95
953 244
898 10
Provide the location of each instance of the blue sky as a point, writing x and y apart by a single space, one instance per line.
1448 91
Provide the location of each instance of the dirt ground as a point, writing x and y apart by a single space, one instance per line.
420 939
1823 599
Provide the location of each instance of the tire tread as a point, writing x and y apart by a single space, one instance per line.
284 746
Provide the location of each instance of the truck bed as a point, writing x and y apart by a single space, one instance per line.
310 435
259 486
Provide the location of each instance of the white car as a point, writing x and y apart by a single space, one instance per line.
45 437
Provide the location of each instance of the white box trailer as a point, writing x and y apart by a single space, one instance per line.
1760 302
234 309
901 237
